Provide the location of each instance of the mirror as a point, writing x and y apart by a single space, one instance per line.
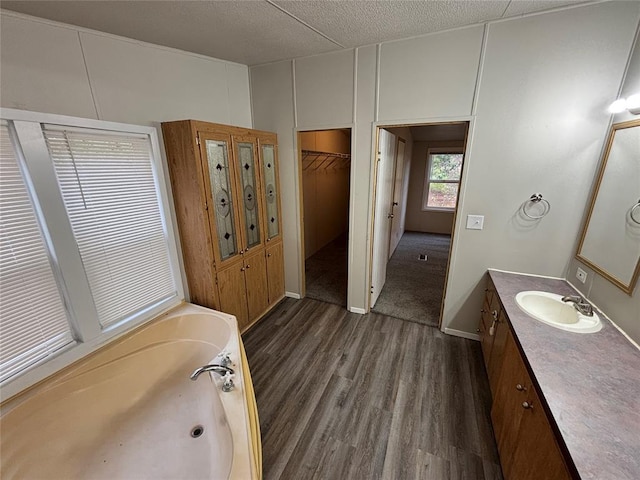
610 241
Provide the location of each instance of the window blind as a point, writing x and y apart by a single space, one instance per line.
33 320
108 188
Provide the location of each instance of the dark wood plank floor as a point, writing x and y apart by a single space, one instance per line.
347 396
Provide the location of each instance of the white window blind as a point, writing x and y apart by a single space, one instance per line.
33 320
108 188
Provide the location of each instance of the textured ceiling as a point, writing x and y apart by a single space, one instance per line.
260 31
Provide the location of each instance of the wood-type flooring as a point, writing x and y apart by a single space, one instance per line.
348 396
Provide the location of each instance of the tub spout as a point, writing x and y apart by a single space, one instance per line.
219 369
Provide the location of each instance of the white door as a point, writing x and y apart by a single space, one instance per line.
397 208
383 215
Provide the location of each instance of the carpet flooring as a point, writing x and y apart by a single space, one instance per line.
326 273
414 288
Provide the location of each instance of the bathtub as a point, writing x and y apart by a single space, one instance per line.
130 410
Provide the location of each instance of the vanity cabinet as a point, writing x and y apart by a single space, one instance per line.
226 195
526 442
493 330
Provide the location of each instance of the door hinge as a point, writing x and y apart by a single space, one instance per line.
198 140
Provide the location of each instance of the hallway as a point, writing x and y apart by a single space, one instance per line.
348 396
414 288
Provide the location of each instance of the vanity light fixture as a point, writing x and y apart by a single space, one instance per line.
631 103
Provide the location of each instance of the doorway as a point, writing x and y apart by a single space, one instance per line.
417 187
325 161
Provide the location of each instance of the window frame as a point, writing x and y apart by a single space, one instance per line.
428 182
33 154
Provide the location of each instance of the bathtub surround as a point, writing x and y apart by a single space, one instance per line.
414 288
387 398
99 415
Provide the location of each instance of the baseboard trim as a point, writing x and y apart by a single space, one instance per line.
461 333
361 311
292 295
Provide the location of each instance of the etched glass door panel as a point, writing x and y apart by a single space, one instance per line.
248 184
271 192
221 193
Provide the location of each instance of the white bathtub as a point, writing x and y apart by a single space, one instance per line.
128 410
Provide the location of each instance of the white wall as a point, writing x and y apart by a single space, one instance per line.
540 125
536 97
57 68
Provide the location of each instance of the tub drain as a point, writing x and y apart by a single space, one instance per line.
197 431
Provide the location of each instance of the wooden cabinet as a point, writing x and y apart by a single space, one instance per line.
527 445
226 195
526 442
493 330
275 271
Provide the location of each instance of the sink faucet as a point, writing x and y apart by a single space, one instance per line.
580 304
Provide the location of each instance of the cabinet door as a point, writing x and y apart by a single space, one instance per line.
220 190
256 282
501 331
506 412
486 339
275 272
537 454
249 188
270 186
232 290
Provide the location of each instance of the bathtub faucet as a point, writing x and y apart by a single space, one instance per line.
225 372
219 369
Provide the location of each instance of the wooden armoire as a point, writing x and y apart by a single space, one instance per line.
227 201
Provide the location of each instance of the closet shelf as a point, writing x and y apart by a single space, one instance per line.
313 160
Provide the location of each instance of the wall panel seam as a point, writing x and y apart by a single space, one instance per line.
86 69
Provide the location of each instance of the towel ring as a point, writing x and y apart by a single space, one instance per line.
534 199
633 209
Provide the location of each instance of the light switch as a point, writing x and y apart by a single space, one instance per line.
475 222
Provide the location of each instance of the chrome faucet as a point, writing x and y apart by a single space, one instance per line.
580 304
224 372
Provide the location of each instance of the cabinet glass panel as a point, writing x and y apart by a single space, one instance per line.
271 195
249 200
219 176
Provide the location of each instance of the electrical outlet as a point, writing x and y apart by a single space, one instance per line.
581 275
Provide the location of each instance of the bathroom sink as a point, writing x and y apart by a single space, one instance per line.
550 309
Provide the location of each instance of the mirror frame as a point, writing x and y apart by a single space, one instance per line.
627 288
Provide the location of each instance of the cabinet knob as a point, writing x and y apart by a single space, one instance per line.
248 267
268 254
268 239
521 388
241 252
494 314
483 310
242 269
478 330
527 405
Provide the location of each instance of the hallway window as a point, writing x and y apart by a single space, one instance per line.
442 179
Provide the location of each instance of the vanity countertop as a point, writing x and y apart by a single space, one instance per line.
590 382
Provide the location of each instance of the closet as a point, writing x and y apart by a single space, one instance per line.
226 194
